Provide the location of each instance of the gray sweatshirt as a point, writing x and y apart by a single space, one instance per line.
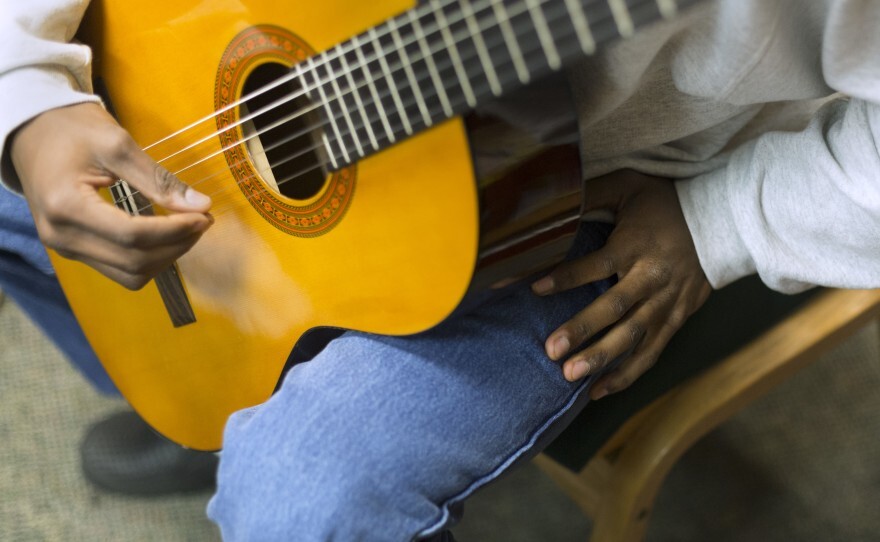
766 111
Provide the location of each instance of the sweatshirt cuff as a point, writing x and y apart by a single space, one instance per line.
707 210
27 92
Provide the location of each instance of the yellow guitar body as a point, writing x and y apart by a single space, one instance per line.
388 246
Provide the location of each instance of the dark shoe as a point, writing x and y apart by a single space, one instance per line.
122 454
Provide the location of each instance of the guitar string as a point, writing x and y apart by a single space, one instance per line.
329 100
464 36
226 189
303 152
324 62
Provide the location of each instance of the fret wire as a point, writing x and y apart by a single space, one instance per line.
554 16
666 3
544 34
295 175
432 67
390 79
497 43
334 82
667 8
368 76
581 26
641 11
407 67
410 60
477 37
354 89
602 25
454 54
299 73
333 125
519 62
560 13
621 17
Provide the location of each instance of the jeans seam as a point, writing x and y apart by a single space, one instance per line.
435 526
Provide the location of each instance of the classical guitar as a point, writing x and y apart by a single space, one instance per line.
373 185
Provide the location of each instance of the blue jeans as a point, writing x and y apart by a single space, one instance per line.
27 277
383 438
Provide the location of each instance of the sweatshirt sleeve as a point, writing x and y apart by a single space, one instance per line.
800 209
40 68
803 208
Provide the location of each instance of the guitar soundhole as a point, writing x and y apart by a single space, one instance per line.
282 141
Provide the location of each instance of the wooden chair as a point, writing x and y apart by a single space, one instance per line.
619 483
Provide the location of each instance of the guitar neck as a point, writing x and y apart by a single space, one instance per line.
444 57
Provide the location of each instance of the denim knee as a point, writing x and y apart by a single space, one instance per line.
307 490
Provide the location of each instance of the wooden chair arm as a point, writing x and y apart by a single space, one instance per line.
618 486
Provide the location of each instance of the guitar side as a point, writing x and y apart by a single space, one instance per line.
398 260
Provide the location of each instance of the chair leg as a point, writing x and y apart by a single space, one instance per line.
628 500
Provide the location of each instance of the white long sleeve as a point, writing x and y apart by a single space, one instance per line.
803 208
799 208
728 98
40 68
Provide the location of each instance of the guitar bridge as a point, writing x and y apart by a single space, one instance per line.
168 280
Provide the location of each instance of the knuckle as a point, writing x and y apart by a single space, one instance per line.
597 360
135 264
609 265
636 332
165 182
120 146
620 383
676 318
658 273
125 238
582 330
620 304
55 207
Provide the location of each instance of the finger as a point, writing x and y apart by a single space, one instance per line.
87 227
597 265
127 161
610 307
623 337
643 358
127 231
132 268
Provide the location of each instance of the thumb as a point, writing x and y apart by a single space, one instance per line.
155 182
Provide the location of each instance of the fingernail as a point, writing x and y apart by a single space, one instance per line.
196 198
560 347
543 286
578 370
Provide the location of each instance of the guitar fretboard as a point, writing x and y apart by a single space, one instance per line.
444 57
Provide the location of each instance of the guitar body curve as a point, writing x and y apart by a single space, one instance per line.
410 231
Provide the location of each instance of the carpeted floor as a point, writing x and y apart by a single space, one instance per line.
800 465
